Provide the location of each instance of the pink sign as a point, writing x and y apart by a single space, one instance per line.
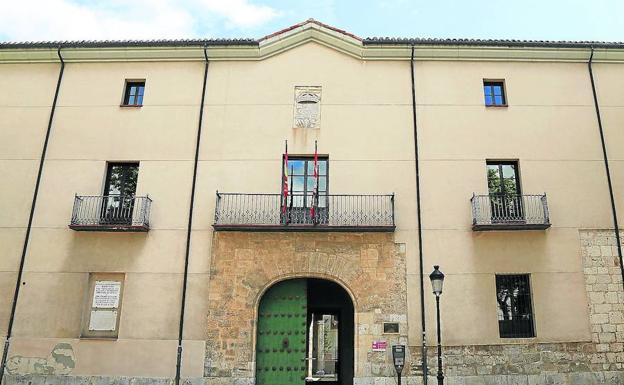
380 346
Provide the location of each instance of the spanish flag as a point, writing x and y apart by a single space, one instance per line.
285 188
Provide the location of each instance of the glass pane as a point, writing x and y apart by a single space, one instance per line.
498 100
322 184
297 183
141 89
494 180
311 183
489 100
487 90
139 100
322 167
498 90
509 170
296 166
132 90
131 99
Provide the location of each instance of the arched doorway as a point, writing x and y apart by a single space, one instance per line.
305 333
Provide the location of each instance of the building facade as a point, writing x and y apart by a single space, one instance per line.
143 208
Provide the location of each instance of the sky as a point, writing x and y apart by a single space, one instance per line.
45 20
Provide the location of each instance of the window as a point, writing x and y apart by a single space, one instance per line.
301 187
515 315
103 307
133 95
119 190
494 91
504 190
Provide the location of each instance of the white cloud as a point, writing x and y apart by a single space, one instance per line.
24 20
241 13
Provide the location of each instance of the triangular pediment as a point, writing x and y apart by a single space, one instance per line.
310 31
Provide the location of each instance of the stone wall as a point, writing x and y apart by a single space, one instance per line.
370 266
603 281
600 361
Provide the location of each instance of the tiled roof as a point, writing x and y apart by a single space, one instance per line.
366 41
129 43
492 42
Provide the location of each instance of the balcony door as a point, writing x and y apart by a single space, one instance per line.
119 191
301 188
504 190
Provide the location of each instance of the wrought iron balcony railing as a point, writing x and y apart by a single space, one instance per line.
264 212
509 212
111 213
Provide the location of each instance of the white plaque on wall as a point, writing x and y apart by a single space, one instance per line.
106 294
103 320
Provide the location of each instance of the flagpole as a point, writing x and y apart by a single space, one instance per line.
292 197
284 194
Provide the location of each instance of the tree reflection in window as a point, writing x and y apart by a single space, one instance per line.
513 295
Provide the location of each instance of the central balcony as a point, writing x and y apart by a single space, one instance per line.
266 212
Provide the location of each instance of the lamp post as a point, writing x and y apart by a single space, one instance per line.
437 280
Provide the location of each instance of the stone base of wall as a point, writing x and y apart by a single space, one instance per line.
579 378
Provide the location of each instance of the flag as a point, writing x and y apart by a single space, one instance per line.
315 191
285 187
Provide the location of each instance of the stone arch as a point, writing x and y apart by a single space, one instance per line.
370 267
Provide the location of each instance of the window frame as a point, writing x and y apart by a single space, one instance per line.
88 306
125 96
309 158
530 304
498 82
500 163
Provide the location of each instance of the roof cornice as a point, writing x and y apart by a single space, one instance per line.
311 31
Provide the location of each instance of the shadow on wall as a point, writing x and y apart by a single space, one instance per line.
61 361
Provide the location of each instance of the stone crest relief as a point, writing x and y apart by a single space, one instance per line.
307 107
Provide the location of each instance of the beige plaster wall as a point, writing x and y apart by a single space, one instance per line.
90 129
549 127
366 129
24 111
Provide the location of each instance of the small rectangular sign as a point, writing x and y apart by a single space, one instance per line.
106 294
103 320
380 346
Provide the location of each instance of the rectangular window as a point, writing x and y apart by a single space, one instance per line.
119 189
494 92
133 95
515 314
506 200
103 307
301 189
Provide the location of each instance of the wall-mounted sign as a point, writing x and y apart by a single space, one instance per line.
380 346
106 294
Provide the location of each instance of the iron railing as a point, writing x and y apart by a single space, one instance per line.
111 212
265 211
509 211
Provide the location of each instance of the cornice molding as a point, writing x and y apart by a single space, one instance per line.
304 33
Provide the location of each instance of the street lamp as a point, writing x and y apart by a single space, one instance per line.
437 280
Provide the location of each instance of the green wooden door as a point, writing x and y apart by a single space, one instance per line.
281 342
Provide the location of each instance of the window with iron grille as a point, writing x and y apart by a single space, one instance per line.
494 92
133 95
515 314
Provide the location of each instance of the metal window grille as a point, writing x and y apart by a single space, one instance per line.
515 313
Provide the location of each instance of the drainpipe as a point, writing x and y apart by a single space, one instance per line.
190 222
420 243
606 163
30 219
